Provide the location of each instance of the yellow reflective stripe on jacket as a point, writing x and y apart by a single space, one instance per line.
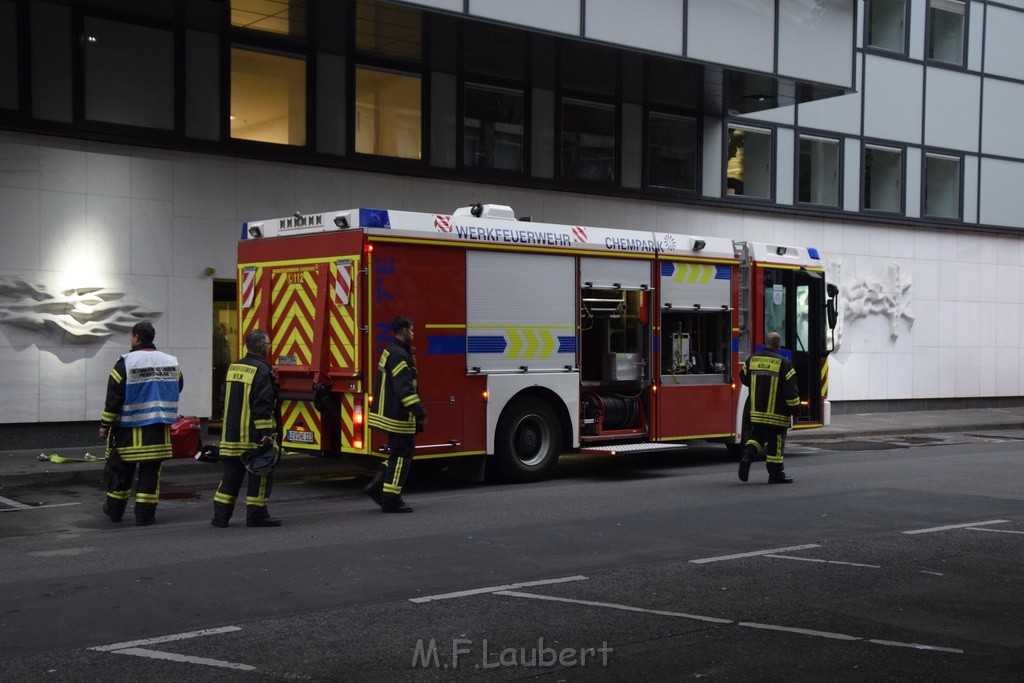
397 370
116 375
410 399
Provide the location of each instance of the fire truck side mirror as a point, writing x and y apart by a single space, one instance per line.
832 313
832 290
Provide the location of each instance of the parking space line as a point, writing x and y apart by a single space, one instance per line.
495 589
717 620
998 531
22 506
167 639
815 559
13 503
916 646
187 659
955 526
612 605
754 553
801 631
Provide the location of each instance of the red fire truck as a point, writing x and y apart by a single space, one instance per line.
533 339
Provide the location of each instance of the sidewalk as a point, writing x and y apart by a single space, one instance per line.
24 469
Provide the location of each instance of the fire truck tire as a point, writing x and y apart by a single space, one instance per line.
529 439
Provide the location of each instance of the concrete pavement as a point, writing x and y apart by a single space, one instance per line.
23 468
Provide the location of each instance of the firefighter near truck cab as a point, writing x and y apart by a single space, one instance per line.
534 339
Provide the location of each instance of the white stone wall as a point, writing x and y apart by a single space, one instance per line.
943 307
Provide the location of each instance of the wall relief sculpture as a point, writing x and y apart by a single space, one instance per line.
82 315
860 296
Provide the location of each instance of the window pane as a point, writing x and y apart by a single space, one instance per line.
285 17
749 169
588 141
129 74
493 128
388 114
942 186
389 29
268 97
883 179
8 55
672 152
947 31
819 171
886 24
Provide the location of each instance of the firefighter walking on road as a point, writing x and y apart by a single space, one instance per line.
141 405
250 398
774 400
396 410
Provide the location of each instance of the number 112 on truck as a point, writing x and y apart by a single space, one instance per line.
532 339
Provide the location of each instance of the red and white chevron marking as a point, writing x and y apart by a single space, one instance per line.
343 283
248 286
443 223
579 233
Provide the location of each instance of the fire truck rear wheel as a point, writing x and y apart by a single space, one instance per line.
529 439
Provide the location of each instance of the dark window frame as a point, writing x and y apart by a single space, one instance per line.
933 61
884 50
950 154
727 124
465 82
888 145
698 170
824 135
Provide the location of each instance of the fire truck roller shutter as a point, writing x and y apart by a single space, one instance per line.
609 273
520 312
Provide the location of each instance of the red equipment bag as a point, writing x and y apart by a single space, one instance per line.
185 442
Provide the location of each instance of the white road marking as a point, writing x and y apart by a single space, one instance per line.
716 620
755 553
170 656
13 503
22 506
612 605
917 646
495 589
802 631
925 571
815 559
167 639
998 531
955 526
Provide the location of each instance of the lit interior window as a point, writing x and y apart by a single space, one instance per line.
268 97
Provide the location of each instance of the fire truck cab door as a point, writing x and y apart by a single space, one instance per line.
794 306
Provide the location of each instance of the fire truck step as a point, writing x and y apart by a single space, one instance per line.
645 447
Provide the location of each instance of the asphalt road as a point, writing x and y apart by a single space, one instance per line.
877 564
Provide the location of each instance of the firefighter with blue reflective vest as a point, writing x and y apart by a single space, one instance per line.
774 401
250 400
397 411
141 405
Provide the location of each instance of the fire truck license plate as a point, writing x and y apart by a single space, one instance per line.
299 437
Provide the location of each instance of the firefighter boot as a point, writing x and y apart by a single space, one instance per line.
776 475
257 515
392 502
145 513
375 489
749 451
114 508
221 514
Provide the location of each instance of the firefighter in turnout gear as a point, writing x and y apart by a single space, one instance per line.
774 400
250 398
396 410
141 406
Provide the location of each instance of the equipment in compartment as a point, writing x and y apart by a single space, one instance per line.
607 412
